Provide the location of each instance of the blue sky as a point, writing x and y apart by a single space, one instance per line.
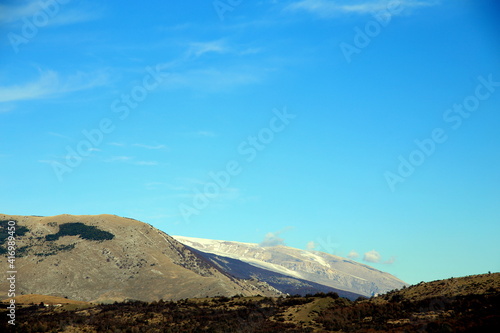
366 129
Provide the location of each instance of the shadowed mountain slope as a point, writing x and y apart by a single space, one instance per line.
284 283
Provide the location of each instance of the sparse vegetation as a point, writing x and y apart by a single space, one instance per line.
397 311
55 250
82 230
19 232
220 315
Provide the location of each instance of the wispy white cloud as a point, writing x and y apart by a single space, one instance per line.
202 134
252 50
167 186
146 163
328 8
57 14
211 79
213 75
155 147
84 80
197 49
74 16
353 255
116 144
187 189
130 160
311 246
390 261
9 13
206 134
120 159
44 86
372 256
49 83
273 238
231 193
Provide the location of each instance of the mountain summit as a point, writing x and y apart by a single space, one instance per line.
106 258
318 267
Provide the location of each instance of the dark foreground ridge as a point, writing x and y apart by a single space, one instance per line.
468 304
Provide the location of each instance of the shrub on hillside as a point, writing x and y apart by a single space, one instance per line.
79 229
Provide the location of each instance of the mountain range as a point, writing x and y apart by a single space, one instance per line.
106 258
328 272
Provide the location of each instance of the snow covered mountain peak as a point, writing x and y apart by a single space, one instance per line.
315 266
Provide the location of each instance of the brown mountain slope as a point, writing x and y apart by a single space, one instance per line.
482 284
104 258
465 304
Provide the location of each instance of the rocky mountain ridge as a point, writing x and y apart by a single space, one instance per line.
318 267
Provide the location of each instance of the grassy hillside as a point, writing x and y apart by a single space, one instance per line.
107 258
467 304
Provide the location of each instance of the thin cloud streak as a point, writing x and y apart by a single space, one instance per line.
201 134
151 163
43 87
210 79
59 14
199 48
119 159
325 8
49 84
130 160
150 147
10 14
68 17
